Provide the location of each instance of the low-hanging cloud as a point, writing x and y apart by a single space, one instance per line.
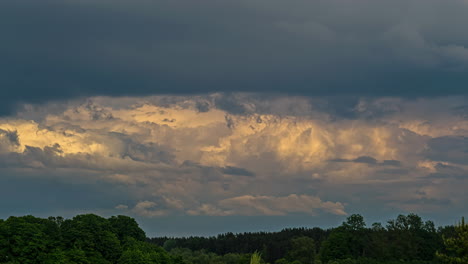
269 205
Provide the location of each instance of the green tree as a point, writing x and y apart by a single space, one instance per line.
377 246
411 238
94 235
456 248
77 256
170 244
3 242
302 250
136 251
354 222
125 226
347 241
26 239
57 256
281 261
232 258
355 227
336 246
135 256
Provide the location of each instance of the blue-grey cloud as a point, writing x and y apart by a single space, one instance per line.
369 160
237 171
449 149
9 137
62 49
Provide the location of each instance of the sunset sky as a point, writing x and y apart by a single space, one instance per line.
198 117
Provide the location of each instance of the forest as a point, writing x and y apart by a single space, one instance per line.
92 239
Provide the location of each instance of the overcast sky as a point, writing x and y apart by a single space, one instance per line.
199 117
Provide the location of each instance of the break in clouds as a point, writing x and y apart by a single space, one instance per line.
245 154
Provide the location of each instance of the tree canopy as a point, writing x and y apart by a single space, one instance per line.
84 239
456 247
92 239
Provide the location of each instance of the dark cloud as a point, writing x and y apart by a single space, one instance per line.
149 152
365 159
131 159
445 171
392 162
237 171
449 149
214 173
362 159
461 111
390 173
232 104
34 157
370 161
202 106
61 49
10 136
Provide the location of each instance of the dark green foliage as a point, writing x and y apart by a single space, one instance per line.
77 256
25 239
85 239
94 235
203 257
135 251
302 250
455 249
91 239
134 257
337 246
272 246
412 239
125 226
404 240
354 222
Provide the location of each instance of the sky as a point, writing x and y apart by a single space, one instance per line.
204 117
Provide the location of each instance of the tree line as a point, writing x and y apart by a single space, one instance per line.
406 239
84 239
91 239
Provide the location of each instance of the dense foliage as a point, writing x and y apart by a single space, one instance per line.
85 239
456 247
272 245
91 239
406 239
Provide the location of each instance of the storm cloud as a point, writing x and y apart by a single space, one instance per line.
66 49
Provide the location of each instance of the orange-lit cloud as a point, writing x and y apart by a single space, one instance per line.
250 156
269 205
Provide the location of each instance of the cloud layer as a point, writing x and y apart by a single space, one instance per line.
65 49
246 155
